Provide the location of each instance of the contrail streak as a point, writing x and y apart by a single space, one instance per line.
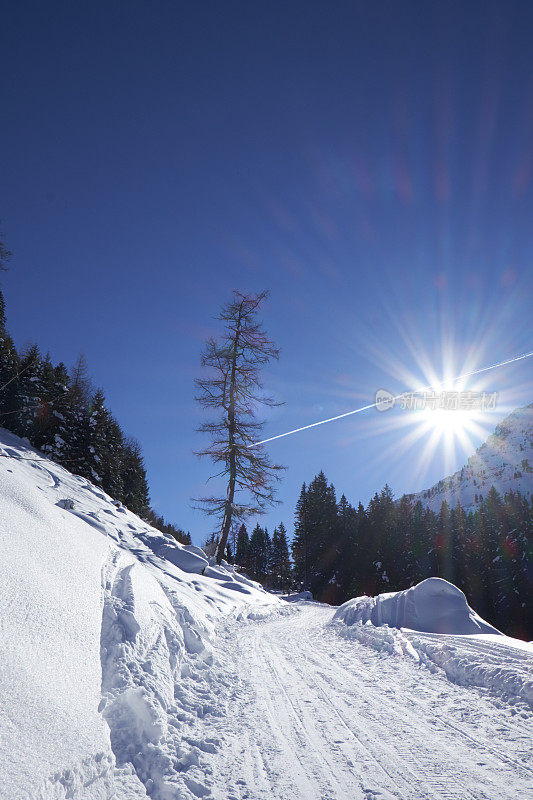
396 397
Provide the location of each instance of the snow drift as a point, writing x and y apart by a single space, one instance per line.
433 625
432 606
296 597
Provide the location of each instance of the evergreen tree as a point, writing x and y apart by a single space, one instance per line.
459 546
321 542
43 422
493 512
29 393
9 368
381 514
133 473
242 547
280 565
348 521
94 434
400 556
443 545
5 254
300 542
515 610
259 554
428 556
76 446
418 553
112 459
61 418
104 445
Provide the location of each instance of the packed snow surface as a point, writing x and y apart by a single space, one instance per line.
296 597
432 606
132 667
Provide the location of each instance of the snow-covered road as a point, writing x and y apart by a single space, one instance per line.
149 674
310 715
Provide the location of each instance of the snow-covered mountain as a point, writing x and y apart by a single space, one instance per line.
504 461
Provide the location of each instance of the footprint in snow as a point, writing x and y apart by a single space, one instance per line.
197 788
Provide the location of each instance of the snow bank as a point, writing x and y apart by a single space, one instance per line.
432 606
508 672
105 642
432 625
186 557
53 739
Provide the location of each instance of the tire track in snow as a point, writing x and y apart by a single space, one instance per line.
438 720
400 776
336 720
409 754
470 740
302 725
409 780
473 693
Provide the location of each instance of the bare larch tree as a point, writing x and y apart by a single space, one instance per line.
233 390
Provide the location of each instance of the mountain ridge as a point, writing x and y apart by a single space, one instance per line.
504 460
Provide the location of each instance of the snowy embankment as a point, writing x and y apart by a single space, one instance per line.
433 624
432 606
106 641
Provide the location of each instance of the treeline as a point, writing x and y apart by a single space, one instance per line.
64 417
262 557
158 521
340 551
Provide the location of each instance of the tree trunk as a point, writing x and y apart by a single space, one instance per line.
232 456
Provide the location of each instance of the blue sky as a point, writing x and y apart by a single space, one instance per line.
370 164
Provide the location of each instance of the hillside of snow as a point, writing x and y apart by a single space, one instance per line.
130 667
504 461
106 631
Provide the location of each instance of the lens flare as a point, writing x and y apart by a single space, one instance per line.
447 383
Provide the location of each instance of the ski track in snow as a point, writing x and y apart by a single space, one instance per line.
310 718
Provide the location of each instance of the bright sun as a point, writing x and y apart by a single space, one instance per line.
447 422
452 431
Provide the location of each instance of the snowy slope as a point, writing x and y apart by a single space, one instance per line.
101 618
125 673
504 461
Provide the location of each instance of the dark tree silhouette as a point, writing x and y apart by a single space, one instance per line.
5 254
232 389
